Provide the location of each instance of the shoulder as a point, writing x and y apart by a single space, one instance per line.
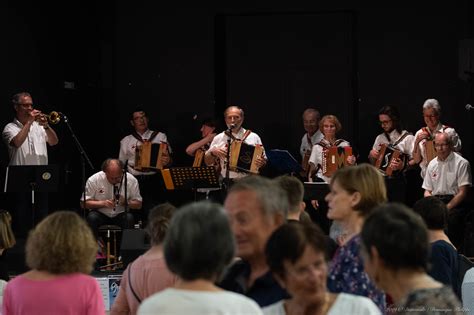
277 308
354 304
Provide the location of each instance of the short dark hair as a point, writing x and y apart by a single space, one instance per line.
199 243
433 211
393 113
210 122
158 222
293 189
136 110
399 235
289 242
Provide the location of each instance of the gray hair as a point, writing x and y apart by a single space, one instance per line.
432 103
449 139
199 243
272 198
234 107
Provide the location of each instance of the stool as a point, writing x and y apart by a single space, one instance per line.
110 232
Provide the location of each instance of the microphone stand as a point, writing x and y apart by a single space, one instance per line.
125 183
227 171
84 159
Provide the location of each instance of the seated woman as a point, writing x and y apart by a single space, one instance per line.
198 246
396 252
296 255
60 251
7 241
444 256
148 273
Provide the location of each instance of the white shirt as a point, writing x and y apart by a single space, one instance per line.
343 305
128 145
220 141
445 177
467 290
317 158
421 145
99 188
176 301
404 146
33 151
305 143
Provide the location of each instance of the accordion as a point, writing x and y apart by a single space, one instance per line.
334 158
198 157
243 157
148 155
387 154
430 151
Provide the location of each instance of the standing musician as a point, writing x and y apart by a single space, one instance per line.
26 138
234 117
199 148
150 182
431 115
312 136
393 137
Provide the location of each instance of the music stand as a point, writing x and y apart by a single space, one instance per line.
190 177
283 161
32 178
315 190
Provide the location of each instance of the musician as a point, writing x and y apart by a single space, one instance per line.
234 117
150 182
27 138
208 133
396 138
431 115
105 196
448 177
329 126
312 136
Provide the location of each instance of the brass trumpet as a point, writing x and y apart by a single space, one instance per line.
53 117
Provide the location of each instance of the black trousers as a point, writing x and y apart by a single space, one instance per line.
96 219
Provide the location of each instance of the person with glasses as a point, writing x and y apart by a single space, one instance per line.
448 177
393 137
27 138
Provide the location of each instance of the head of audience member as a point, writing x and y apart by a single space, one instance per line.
208 126
311 119
199 243
389 119
296 255
62 243
294 191
139 120
431 113
355 191
394 242
113 169
433 212
7 238
330 126
256 206
234 117
443 145
158 222
23 105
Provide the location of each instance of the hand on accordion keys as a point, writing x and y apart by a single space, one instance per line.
396 164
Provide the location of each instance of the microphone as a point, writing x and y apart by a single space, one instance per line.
116 196
231 126
469 107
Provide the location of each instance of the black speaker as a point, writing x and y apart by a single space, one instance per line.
134 243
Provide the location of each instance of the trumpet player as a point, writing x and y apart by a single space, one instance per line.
26 138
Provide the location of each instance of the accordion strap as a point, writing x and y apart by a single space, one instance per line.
403 136
246 134
139 138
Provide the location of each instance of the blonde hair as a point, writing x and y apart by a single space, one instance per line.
62 243
332 119
365 179
7 238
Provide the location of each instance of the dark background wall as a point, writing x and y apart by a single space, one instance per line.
178 62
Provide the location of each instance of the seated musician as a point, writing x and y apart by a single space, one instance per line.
105 197
448 177
312 136
392 138
329 126
425 136
234 117
208 133
150 182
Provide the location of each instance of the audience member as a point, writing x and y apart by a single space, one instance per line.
256 207
355 191
198 246
7 241
148 273
296 254
60 252
444 256
396 253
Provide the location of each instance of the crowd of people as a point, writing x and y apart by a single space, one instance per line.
255 247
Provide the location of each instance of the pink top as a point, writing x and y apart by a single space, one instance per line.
149 274
69 294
